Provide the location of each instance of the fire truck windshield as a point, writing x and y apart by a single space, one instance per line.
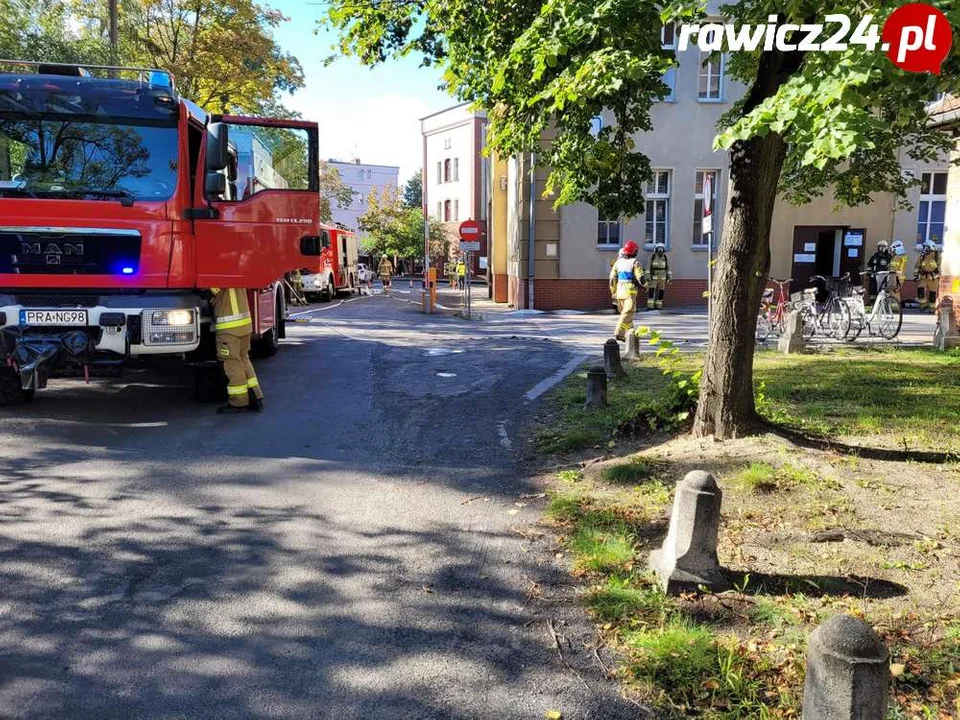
85 159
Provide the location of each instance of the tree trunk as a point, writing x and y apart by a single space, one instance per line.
726 408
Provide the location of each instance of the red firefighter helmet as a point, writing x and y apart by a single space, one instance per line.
630 249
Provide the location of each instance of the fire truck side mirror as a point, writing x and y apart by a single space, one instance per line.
218 147
215 185
310 245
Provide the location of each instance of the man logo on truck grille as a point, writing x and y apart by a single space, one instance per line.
52 252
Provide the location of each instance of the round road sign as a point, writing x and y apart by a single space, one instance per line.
469 230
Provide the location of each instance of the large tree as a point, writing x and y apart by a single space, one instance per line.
397 230
333 190
809 122
413 191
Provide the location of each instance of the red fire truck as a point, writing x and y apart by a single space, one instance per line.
120 204
336 269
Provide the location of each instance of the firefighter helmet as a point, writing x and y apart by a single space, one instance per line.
898 248
630 249
660 247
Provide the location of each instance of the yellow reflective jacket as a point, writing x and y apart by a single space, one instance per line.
626 276
231 312
928 265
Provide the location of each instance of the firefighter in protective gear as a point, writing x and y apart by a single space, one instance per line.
461 274
898 266
626 276
385 271
660 275
233 327
926 273
878 262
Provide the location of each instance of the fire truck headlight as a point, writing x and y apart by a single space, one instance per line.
316 282
172 317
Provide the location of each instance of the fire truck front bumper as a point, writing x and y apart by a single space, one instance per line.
48 331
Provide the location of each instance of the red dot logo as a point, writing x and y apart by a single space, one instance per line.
917 38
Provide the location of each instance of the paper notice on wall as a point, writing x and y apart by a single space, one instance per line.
853 238
483 262
809 247
804 258
852 252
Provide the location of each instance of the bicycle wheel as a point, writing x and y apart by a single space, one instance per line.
838 319
763 327
889 317
858 320
808 318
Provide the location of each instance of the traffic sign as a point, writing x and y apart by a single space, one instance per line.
470 230
469 245
707 226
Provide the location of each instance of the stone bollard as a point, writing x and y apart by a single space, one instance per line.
848 674
633 346
792 341
946 334
596 388
611 359
688 558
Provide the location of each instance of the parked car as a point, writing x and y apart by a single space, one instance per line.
363 273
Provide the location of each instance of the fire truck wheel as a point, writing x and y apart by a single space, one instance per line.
11 391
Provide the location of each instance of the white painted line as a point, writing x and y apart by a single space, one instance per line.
541 387
502 432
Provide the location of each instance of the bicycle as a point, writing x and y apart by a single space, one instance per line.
772 316
886 313
832 317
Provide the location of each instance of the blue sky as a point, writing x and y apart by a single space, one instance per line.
371 113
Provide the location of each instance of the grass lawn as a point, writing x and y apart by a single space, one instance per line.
805 534
899 399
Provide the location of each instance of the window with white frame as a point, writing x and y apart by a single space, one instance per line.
439 211
933 206
668 40
699 239
447 143
446 170
456 210
446 211
657 215
608 233
439 172
456 169
710 88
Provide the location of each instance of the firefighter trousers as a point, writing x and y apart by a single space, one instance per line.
927 291
234 353
627 307
655 294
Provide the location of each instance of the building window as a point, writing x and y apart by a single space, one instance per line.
608 233
456 169
456 210
439 172
933 206
668 36
711 78
447 143
446 170
699 239
670 80
439 211
446 211
657 215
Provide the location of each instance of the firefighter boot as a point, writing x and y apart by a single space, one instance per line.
232 409
256 404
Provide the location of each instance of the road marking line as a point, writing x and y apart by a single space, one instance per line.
502 431
541 387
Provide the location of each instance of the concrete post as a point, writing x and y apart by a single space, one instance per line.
946 334
633 346
688 558
792 341
596 388
848 674
611 359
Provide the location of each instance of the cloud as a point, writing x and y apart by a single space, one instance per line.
381 130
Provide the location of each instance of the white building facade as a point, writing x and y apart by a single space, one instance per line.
361 178
455 174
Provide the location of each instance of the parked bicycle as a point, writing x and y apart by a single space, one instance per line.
773 310
885 317
822 308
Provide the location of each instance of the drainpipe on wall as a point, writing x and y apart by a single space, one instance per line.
533 229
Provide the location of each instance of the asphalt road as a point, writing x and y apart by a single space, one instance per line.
358 551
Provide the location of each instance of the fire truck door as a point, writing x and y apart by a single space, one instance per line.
256 212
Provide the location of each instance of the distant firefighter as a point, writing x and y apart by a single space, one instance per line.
926 273
626 276
660 275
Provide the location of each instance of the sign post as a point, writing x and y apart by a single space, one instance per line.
707 229
469 242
